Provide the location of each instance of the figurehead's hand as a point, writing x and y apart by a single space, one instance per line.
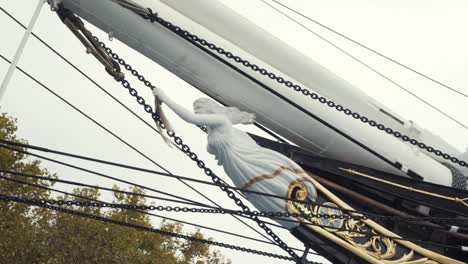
159 93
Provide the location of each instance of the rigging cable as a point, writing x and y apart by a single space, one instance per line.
179 141
372 50
141 101
204 45
107 176
186 149
367 65
120 165
97 123
407 219
267 223
33 176
142 228
266 130
216 210
105 91
187 201
153 17
123 105
143 170
147 213
148 108
197 210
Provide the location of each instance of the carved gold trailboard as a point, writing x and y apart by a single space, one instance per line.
364 238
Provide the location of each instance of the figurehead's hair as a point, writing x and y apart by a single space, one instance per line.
235 115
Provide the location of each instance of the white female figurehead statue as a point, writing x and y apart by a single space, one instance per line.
250 166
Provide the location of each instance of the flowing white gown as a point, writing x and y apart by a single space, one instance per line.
252 167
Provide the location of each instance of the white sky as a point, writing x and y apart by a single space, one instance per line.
426 35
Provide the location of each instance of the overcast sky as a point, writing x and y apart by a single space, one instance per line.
426 35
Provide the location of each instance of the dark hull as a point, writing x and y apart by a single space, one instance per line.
376 192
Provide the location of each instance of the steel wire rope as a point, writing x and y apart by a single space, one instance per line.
124 206
137 185
372 50
105 176
231 186
134 93
272 217
216 210
199 42
120 165
148 213
100 86
208 206
204 205
113 97
123 105
68 182
406 219
143 228
53 202
99 174
149 196
135 168
367 66
185 148
266 130
126 85
141 101
87 116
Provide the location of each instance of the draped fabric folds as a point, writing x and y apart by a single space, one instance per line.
254 168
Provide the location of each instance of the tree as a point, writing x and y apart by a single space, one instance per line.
37 235
20 224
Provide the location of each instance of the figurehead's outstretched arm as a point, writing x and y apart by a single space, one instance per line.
188 116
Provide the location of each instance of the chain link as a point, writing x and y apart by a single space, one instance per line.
50 204
161 208
154 17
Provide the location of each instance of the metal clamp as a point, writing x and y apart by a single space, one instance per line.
77 27
303 259
54 4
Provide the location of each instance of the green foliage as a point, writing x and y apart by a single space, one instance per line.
37 235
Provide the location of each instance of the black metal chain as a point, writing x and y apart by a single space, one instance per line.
98 204
246 211
177 140
160 208
45 204
186 149
51 204
154 17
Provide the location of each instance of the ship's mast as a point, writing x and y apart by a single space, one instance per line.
314 127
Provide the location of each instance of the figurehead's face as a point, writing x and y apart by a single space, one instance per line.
208 106
205 106
199 109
